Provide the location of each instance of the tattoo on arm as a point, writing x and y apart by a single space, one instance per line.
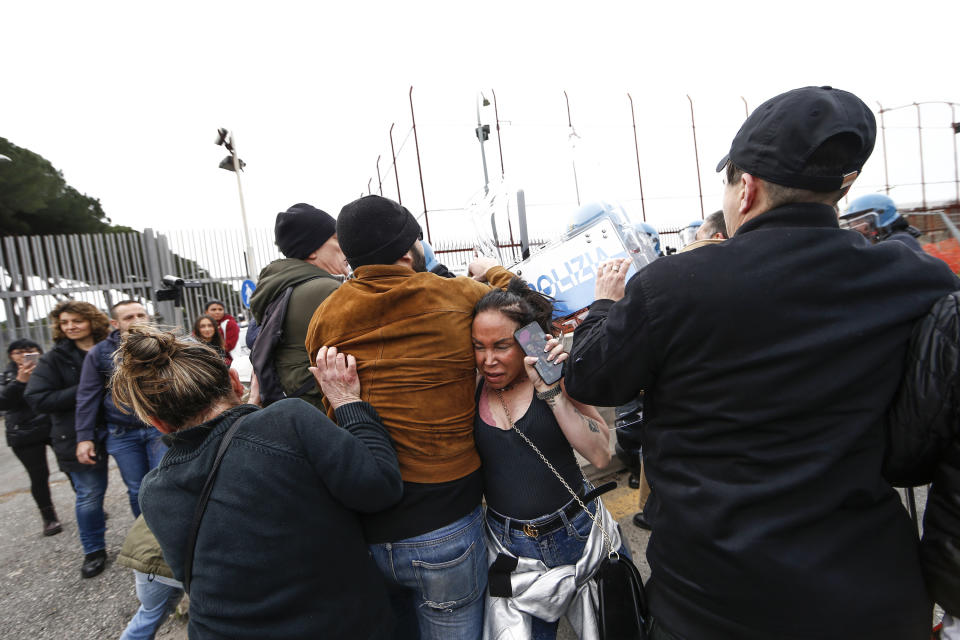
590 422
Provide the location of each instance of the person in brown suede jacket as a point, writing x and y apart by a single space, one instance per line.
410 333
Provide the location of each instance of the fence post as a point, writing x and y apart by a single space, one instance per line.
10 332
883 141
522 215
636 148
166 311
923 180
396 174
696 155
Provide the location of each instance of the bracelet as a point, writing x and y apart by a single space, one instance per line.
550 393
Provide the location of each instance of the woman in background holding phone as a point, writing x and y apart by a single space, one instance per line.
28 433
529 511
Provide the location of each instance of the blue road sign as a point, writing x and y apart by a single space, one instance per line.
248 287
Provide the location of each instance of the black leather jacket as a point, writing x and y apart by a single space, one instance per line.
923 440
53 390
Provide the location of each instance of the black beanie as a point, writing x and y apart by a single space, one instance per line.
302 229
376 230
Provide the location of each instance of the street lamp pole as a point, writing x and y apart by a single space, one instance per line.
483 132
235 164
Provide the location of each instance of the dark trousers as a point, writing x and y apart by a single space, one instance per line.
34 459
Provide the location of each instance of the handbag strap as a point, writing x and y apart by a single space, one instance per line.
202 504
611 552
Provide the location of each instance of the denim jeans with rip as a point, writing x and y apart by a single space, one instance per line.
437 580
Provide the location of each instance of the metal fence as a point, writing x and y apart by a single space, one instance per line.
40 271
37 272
456 256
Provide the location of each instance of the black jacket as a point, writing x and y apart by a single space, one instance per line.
17 413
311 285
53 390
924 444
768 362
280 552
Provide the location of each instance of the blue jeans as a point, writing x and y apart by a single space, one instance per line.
90 485
437 580
562 546
157 601
136 452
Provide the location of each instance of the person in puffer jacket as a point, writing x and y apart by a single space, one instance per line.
157 590
923 446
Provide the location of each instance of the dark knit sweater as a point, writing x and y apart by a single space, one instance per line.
280 552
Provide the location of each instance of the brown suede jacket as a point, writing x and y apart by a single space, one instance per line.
410 334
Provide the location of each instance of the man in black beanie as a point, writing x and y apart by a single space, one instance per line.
314 266
409 331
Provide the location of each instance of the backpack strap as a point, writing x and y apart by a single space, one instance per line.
311 383
202 504
270 334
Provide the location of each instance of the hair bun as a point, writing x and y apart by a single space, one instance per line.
147 348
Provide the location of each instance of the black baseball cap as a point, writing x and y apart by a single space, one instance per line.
779 137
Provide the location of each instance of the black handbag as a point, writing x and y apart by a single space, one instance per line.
622 606
621 599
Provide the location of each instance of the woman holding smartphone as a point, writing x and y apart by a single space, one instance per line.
28 433
52 389
529 512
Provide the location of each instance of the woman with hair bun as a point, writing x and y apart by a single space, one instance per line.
52 389
279 551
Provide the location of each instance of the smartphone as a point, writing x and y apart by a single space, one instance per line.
531 340
31 358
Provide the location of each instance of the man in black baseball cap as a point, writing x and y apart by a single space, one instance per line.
767 363
806 145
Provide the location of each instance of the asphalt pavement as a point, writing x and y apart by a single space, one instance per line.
41 591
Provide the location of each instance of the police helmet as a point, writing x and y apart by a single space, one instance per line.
591 211
877 203
428 256
651 232
689 233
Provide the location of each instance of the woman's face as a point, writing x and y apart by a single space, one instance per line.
216 312
74 326
206 329
499 357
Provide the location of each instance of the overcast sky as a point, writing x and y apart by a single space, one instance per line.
125 98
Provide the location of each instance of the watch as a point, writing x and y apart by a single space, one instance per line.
550 393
